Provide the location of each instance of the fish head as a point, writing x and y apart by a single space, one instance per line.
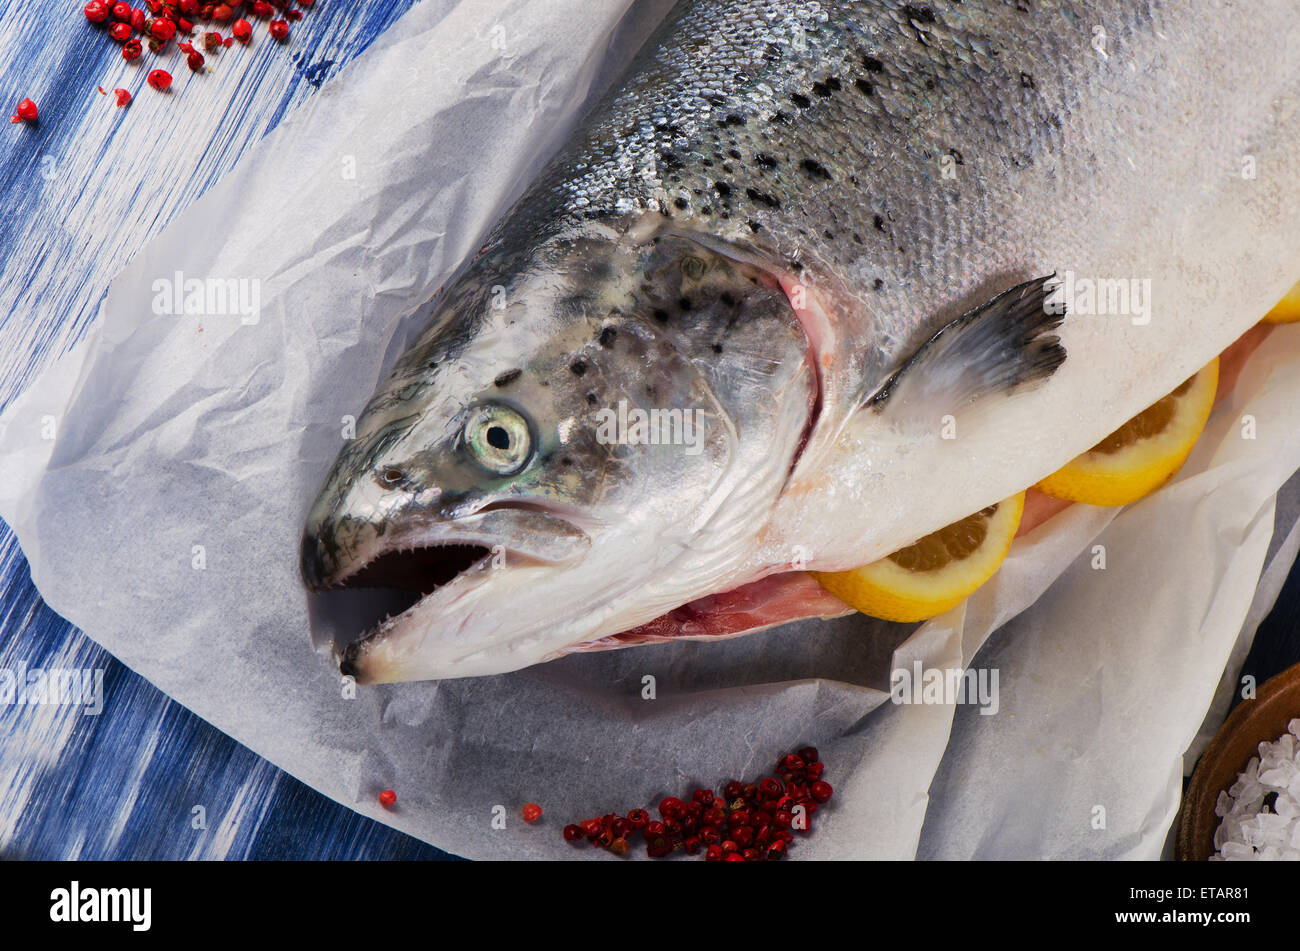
590 434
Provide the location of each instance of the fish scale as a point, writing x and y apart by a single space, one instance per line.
826 229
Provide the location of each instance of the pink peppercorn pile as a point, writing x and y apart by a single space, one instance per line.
748 822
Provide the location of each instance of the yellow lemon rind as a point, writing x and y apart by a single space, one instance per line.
886 590
1287 310
1120 478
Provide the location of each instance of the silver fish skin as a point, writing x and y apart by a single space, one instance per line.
764 229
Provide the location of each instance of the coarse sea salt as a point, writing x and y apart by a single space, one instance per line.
1261 810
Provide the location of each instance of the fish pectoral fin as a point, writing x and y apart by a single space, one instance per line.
998 347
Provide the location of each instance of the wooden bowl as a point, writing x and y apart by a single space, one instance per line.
1263 719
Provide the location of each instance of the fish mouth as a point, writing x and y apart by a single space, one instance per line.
366 577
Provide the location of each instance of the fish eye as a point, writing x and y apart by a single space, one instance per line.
499 438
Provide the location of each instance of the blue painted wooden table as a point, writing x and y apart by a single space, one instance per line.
81 191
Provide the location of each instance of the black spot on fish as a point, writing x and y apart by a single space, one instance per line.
723 188
764 160
716 348
761 198
697 191
577 368
781 116
957 155
684 303
772 53
796 265
708 163
607 336
863 86
833 84
815 169
879 222
800 100
680 203
591 398
733 119
706 210
929 84
878 284
566 461
728 299
727 168
754 226
873 65
660 315
734 153
1027 81
821 89
508 377
857 237
670 160
919 14
829 236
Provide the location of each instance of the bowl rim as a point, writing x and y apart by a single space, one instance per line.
1196 819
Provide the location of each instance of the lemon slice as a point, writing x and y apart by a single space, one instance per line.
1287 310
1144 453
936 573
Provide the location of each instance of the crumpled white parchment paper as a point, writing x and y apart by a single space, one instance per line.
175 432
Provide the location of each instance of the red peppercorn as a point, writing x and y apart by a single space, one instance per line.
733 790
734 857
775 851
750 855
137 20
692 844
821 791
122 12
743 837
532 812
160 79
592 828
814 771
186 48
738 817
222 13
195 61
671 807
791 763
131 50
387 797
261 8
619 847
294 15
307 3
808 754
280 30
26 110
653 830
782 819
770 789
704 797
242 30
96 11
573 833
729 845
638 819
120 32
123 97
153 5
211 41
162 29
